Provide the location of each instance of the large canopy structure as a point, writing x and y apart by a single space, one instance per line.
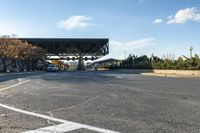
65 47
72 48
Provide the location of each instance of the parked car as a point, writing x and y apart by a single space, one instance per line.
52 68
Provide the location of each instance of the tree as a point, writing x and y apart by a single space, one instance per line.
167 62
13 50
7 52
142 62
37 53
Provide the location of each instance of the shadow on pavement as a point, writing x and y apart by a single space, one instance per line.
103 77
12 76
80 76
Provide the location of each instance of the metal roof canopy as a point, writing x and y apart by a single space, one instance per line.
65 47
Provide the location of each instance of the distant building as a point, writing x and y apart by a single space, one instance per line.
72 65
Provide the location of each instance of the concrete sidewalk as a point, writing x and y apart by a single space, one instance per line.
174 73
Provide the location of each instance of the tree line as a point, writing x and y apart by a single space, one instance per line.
15 52
154 62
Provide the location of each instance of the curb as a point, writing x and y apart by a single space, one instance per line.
171 75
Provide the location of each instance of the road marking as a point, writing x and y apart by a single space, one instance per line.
61 128
71 125
15 85
119 77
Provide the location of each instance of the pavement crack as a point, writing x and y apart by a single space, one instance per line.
85 102
54 95
73 106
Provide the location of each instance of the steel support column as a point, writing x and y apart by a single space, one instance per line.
81 65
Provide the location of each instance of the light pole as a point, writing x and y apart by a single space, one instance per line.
191 48
124 54
152 57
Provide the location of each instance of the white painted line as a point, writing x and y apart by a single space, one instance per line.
14 85
70 123
119 77
61 128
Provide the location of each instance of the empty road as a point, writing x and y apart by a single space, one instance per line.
104 101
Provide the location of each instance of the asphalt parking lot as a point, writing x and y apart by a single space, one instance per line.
104 101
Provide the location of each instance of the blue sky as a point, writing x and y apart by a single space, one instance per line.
135 26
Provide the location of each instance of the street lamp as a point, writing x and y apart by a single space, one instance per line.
191 48
125 54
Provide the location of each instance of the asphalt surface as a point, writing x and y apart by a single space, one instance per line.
118 101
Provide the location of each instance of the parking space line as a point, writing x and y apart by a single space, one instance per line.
61 128
68 123
15 85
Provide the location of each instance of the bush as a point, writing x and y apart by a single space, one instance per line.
144 62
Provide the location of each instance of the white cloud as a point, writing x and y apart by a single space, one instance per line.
185 15
157 21
140 43
75 22
117 48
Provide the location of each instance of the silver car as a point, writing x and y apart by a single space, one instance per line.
52 68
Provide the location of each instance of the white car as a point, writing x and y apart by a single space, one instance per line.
52 68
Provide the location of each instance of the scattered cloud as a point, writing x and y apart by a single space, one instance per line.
140 43
184 15
157 21
75 22
118 48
